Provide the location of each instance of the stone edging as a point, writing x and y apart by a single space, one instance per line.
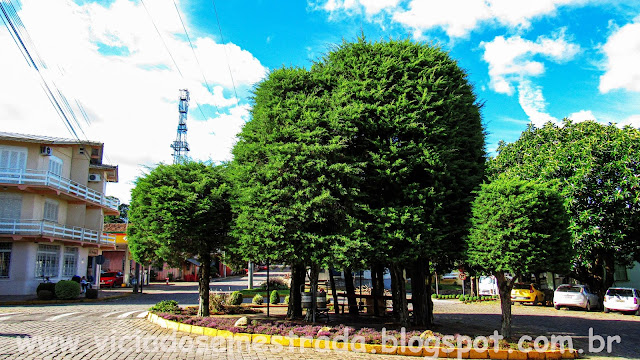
368 348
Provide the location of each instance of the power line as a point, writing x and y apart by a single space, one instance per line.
194 52
168 51
215 10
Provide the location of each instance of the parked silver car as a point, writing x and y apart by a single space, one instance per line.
575 296
622 299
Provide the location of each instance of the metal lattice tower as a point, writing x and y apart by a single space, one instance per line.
181 146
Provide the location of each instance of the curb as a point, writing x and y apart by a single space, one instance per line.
61 302
363 348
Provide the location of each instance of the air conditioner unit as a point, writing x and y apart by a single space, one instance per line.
46 150
94 177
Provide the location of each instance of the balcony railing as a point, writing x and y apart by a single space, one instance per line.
46 178
54 230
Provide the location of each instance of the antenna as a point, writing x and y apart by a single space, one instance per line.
181 146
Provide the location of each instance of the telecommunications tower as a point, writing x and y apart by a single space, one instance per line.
181 146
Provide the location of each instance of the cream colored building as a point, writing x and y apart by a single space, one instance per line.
52 207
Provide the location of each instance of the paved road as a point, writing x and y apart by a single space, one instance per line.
117 330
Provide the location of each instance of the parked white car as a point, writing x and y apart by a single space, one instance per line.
575 296
622 299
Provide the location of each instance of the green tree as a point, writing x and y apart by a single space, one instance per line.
518 227
181 211
417 138
120 219
595 167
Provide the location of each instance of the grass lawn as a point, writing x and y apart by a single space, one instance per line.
253 292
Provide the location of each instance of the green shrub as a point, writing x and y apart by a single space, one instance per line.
461 297
67 289
166 306
286 299
258 299
92 294
235 298
45 295
217 303
434 296
47 286
277 283
275 297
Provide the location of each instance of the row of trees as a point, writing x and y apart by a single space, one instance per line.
370 159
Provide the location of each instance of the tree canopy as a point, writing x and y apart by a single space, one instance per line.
368 158
518 227
595 167
181 211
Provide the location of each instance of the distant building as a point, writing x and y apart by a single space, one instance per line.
52 207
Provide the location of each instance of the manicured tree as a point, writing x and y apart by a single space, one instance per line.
416 134
595 168
518 227
182 211
288 177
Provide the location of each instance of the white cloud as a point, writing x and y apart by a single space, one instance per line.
512 59
622 52
582 115
456 17
633 120
133 93
533 103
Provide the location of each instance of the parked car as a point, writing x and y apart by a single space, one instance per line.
622 299
575 296
527 293
111 279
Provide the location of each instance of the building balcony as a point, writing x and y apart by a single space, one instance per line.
54 231
41 181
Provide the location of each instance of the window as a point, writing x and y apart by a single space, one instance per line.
13 158
47 260
50 210
10 206
70 261
620 273
55 166
5 259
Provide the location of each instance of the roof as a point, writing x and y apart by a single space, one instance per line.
46 139
115 227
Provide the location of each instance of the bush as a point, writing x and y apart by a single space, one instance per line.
166 306
92 294
275 297
45 295
47 286
217 303
67 289
461 297
434 296
235 298
286 299
277 283
258 299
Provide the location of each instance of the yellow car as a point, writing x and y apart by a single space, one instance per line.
527 293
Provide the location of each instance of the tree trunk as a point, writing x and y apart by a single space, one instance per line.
298 275
395 297
419 293
351 292
374 291
504 288
429 300
379 269
397 274
313 280
203 284
334 291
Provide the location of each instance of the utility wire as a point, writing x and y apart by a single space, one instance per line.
14 22
225 50
169 51
206 82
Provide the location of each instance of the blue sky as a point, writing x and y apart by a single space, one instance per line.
529 61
